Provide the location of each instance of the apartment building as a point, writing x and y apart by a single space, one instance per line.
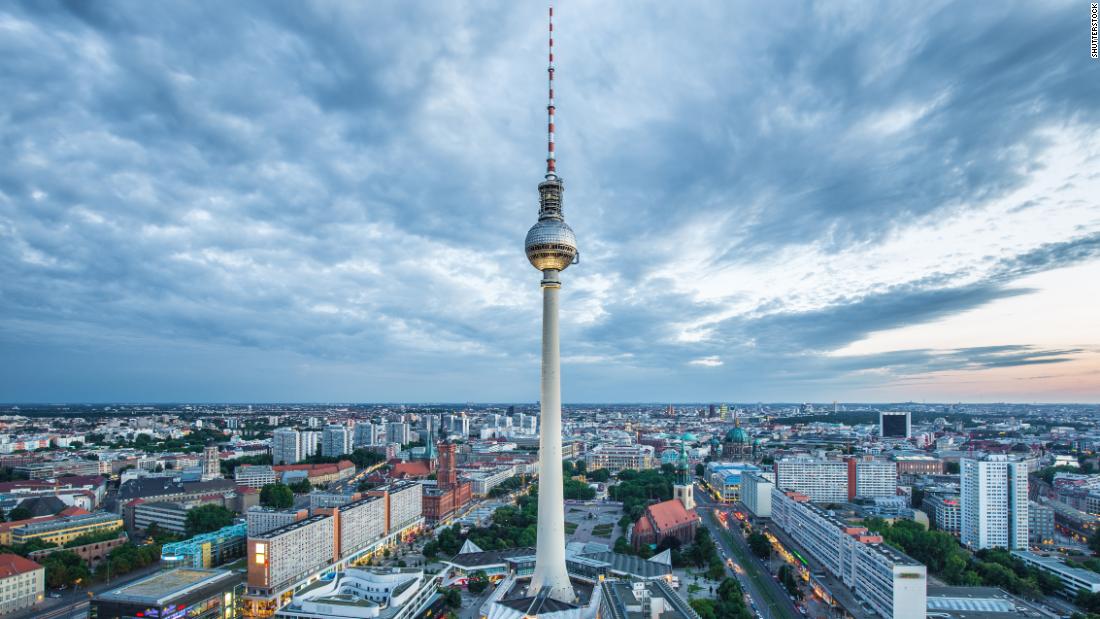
485 480
893 584
1040 524
869 478
404 503
994 503
288 554
618 457
263 519
335 441
22 583
1074 579
362 523
167 516
824 481
286 446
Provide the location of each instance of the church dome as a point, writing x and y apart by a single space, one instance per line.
737 435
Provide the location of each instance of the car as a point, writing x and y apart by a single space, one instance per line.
54 595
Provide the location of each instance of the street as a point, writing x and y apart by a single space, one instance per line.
74 604
768 595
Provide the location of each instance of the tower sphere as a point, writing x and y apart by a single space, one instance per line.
551 244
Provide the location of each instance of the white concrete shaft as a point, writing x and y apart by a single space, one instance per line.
550 549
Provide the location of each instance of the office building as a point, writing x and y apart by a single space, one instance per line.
895 424
724 479
182 592
404 503
918 465
1074 579
944 511
1040 524
893 584
824 481
254 475
286 446
756 494
335 441
22 583
618 457
60 531
994 503
206 550
170 517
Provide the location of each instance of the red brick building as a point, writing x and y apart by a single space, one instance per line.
665 519
449 494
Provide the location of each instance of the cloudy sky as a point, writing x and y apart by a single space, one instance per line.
293 201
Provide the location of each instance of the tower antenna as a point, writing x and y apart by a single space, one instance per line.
551 168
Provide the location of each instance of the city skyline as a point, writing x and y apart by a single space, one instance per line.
321 203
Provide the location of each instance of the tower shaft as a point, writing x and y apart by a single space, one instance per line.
550 546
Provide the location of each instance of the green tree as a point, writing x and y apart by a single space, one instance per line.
207 518
302 486
599 475
700 470
477 582
277 495
760 545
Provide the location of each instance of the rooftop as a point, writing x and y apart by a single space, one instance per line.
977 603
158 589
13 565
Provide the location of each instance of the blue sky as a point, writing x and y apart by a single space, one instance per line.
293 201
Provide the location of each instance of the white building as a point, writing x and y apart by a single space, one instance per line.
1073 579
365 594
260 520
875 478
824 481
485 480
994 503
618 457
945 512
756 494
286 446
364 434
311 442
254 475
893 584
335 441
22 583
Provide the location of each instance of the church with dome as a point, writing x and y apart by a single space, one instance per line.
737 446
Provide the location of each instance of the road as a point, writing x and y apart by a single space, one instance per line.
768 595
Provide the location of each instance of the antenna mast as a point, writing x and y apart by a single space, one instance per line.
551 169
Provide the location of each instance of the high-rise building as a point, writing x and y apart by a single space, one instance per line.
364 434
895 424
994 503
211 463
893 584
286 446
869 478
1040 524
398 432
756 494
335 441
311 442
824 481
551 247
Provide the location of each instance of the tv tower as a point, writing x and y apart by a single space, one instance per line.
551 247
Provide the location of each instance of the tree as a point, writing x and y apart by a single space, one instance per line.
951 468
20 513
1094 542
760 545
452 599
599 475
207 518
477 582
700 470
277 495
302 486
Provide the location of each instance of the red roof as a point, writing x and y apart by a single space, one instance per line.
415 468
669 514
13 565
315 469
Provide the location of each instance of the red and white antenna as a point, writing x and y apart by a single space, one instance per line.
551 169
